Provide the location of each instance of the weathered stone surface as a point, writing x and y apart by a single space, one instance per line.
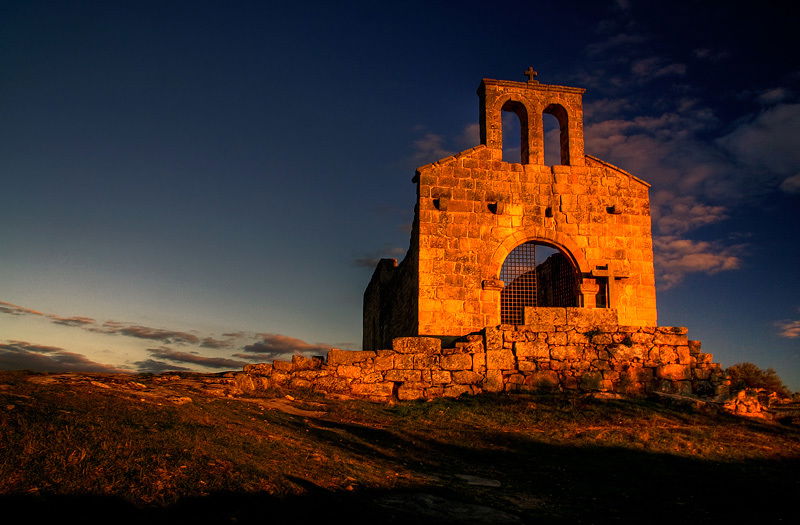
479 362
494 381
405 393
671 339
591 381
403 375
283 366
346 357
500 360
513 336
440 376
622 365
385 362
563 353
557 338
543 380
300 362
414 345
456 390
467 377
258 369
545 316
643 338
349 371
425 360
574 337
372 377
298 382
494 338
372 389
332 384
664 354
602 339
587 317
673 372
456 362
625 353
404 362
536 350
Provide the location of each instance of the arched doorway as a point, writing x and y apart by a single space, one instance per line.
536 274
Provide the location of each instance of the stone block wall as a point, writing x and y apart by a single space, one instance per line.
390 303
473 209
546 354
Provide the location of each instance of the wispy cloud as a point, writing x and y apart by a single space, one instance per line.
675 258
791 184
654 67
38 357
711 55
275 345
613 42
146 332
773 96
431 147
195 359
22 355
789 329
13 309
71 321
153 366
768 143
699 169
678 214
369 261
114 327
210 342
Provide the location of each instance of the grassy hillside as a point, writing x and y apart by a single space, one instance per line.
147 449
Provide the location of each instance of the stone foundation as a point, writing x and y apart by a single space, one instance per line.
559 349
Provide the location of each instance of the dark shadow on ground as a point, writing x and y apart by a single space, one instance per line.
540 483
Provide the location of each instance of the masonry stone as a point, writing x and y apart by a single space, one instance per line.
471 309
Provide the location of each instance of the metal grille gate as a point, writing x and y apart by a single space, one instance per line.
519 274
551 283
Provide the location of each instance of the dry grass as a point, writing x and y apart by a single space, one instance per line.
139 453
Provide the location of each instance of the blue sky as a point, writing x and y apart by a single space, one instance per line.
201 185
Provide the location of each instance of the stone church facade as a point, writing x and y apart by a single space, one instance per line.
519 276
473 209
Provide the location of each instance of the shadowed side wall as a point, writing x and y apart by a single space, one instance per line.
391 298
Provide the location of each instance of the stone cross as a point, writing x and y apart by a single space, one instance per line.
613 292
531 74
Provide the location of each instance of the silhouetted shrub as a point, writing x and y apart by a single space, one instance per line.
748 375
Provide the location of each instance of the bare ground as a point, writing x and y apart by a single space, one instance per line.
147 449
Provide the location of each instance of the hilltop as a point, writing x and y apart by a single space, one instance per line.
180 448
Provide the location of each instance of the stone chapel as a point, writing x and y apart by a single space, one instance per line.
520 277
491 238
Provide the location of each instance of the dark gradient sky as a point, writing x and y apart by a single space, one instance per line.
227 171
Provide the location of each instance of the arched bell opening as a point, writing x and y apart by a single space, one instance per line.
514 122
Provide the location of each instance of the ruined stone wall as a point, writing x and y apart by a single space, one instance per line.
391 301
559 349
